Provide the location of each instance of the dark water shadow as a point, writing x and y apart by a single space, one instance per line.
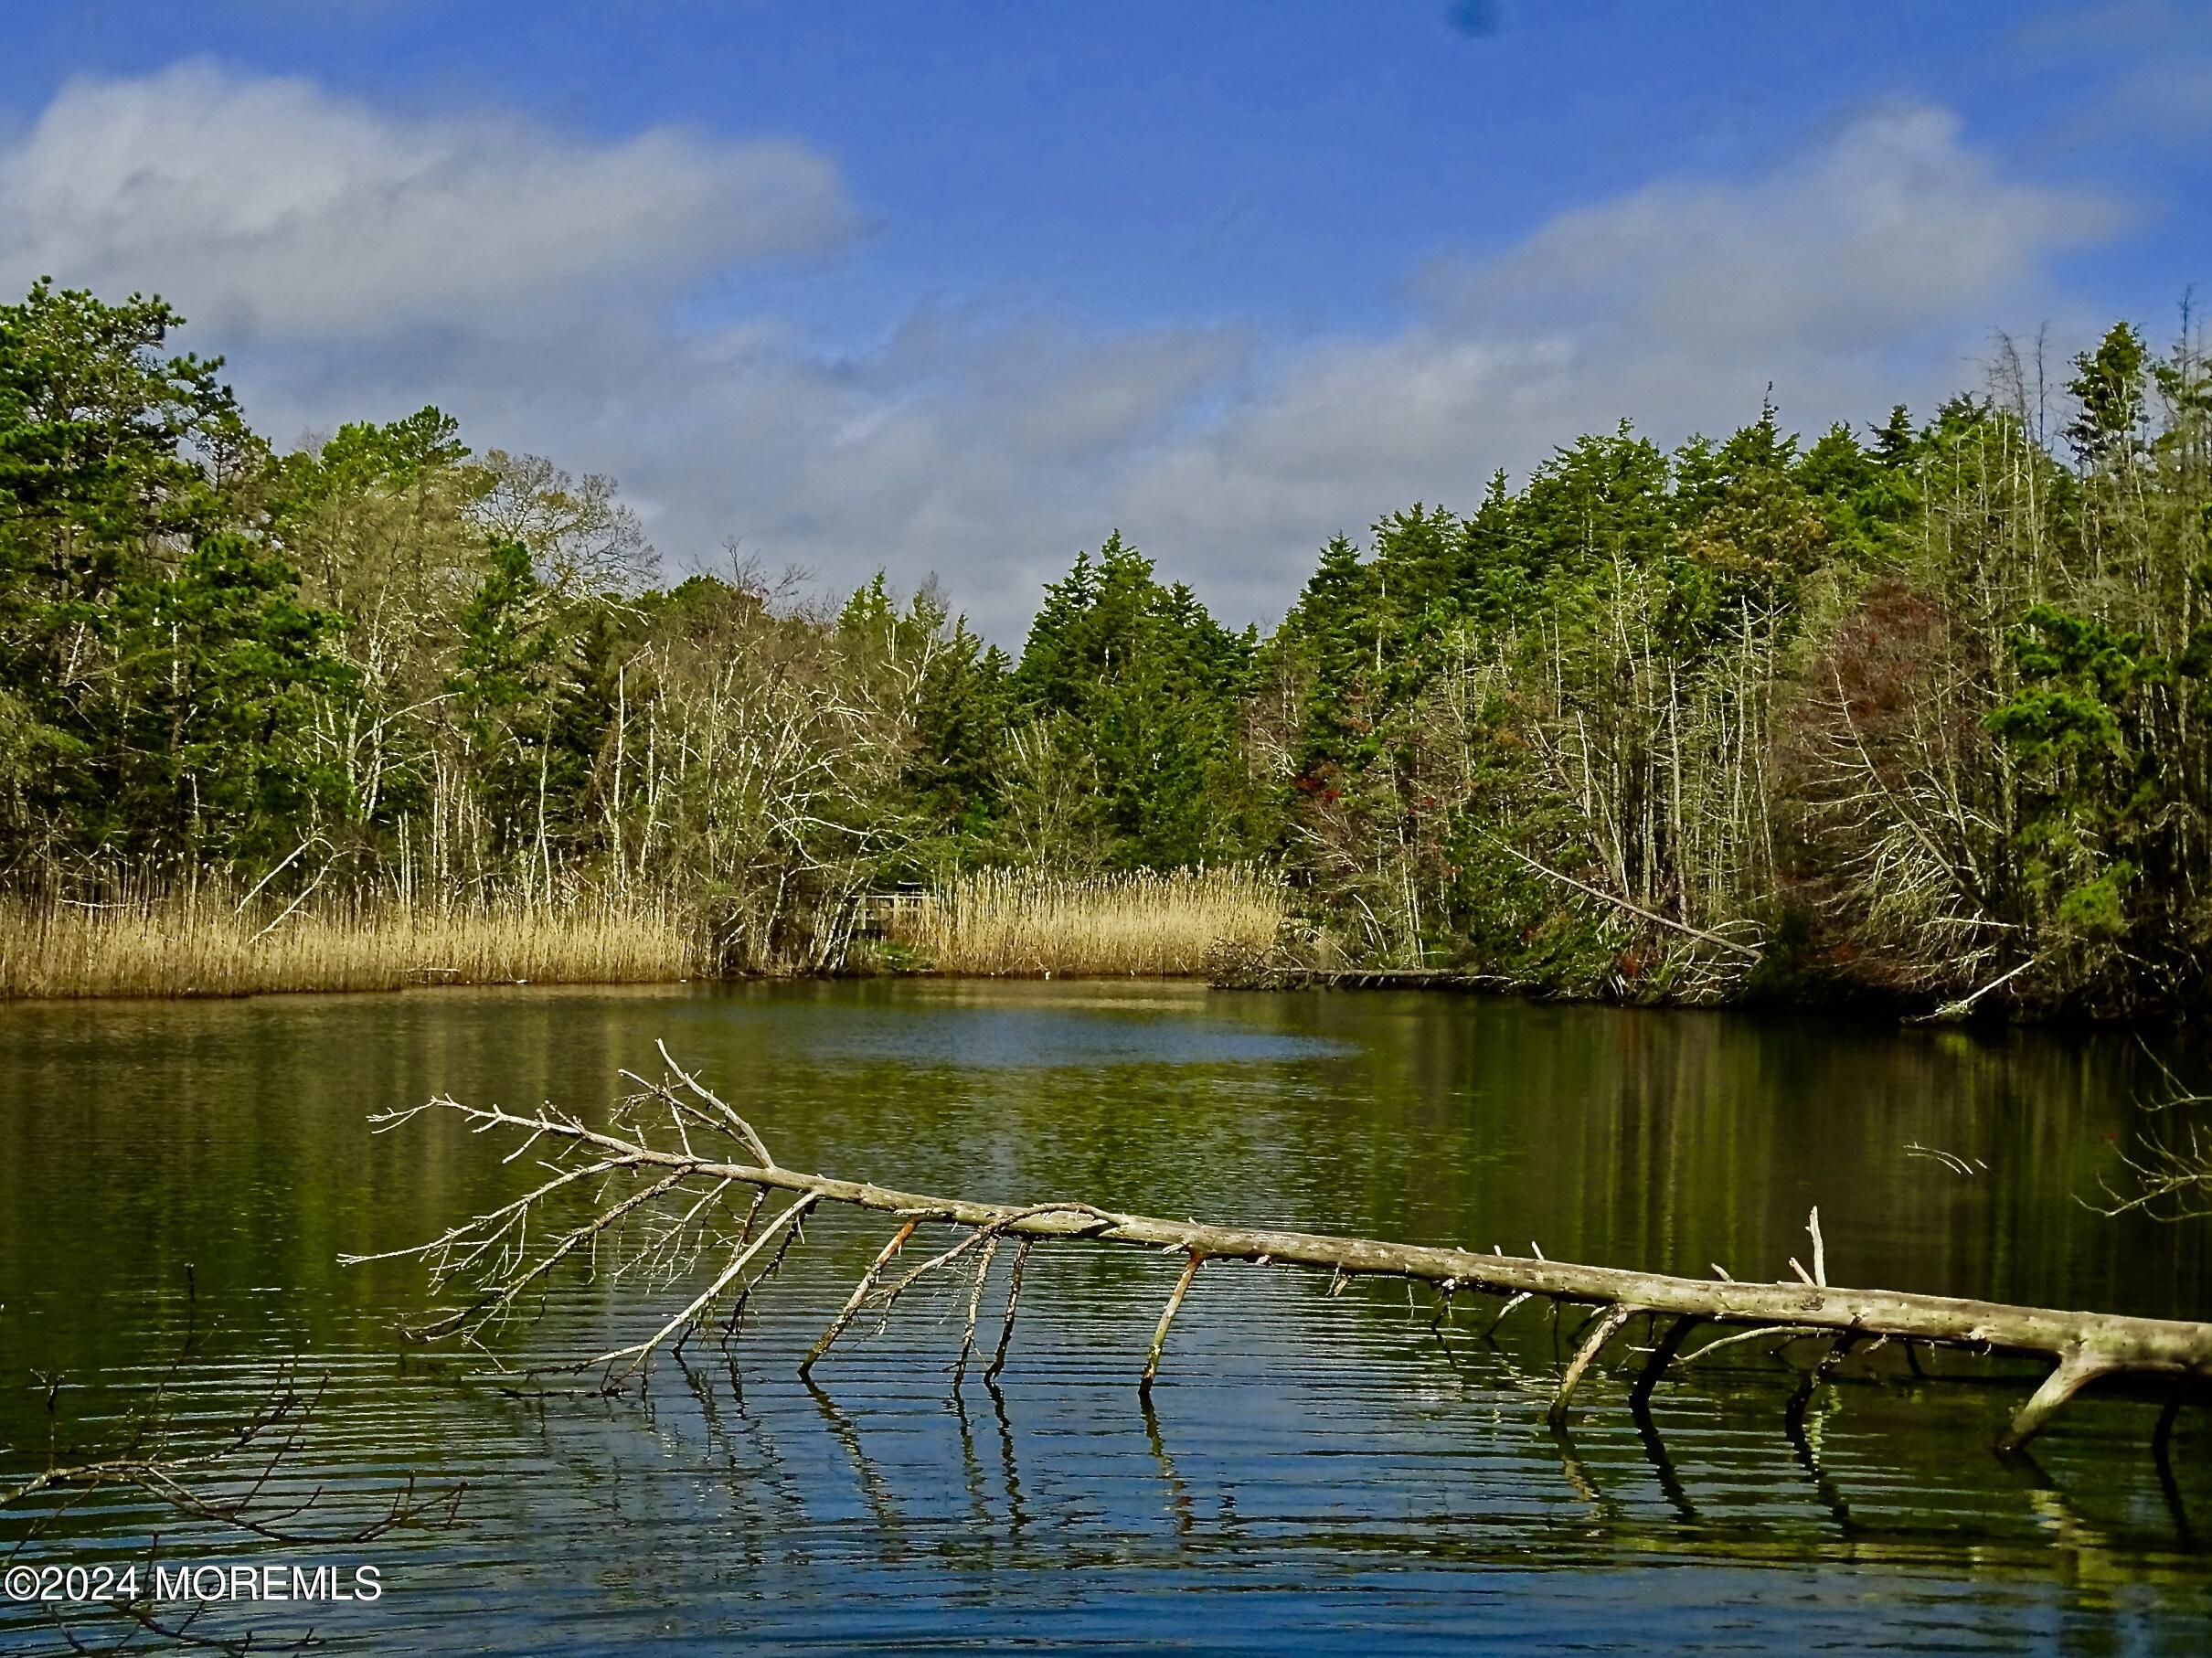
1662 1464
873 1488
1017 1513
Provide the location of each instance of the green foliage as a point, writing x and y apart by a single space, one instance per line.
2107 387
364 456
225 666
2097 800
120 470
959 739
1138 688
2080 673
503 682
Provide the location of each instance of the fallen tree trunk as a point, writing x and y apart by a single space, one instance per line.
493 1250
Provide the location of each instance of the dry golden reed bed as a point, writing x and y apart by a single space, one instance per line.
202 944
1016 922
999 922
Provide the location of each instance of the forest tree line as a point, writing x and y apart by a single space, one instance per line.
1918 713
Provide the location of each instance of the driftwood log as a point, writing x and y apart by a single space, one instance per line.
674 1160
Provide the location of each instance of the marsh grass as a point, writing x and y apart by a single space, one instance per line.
208 942
205 943
1010 923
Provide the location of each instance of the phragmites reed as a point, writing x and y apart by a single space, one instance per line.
205 942
1007 921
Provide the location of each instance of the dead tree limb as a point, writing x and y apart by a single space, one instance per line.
2076 1369
1606 1326
1174 1305
1810 1383
717 1155
975 1304
1662 1354
824 1342
1614 899
683 1321
1014 1296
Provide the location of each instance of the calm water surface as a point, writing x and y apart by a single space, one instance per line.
1313 1474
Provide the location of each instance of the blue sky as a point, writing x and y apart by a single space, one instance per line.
960 287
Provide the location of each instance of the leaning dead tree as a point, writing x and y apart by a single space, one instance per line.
680 1189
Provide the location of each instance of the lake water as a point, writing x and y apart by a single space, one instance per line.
1312 1473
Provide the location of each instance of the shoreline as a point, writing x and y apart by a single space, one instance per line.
1860 1011
1229 927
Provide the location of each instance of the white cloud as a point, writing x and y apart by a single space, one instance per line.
274 208
1867 269
2165 102
2063 34
1891 224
